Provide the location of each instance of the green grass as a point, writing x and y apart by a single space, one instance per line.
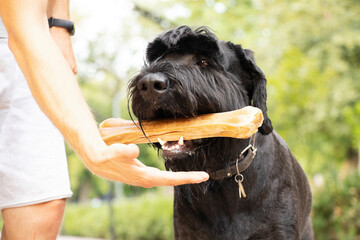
148 217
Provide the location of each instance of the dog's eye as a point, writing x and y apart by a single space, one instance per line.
203 63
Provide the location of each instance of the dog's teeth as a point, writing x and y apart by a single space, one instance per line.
162 142
181 141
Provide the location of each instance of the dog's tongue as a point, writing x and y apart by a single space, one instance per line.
240 123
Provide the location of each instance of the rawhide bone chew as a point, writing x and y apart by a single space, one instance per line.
240 123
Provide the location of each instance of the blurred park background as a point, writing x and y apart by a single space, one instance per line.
310 53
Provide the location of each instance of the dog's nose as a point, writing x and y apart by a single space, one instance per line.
153 85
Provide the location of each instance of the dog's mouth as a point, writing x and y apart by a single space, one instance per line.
180 149
175 149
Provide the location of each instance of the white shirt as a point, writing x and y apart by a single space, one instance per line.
3 33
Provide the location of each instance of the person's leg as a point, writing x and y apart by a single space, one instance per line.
33 167
38 221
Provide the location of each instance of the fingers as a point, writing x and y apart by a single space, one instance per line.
151 177
180 178
122 165
155 177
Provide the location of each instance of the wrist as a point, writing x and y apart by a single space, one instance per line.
93 149
62 23
59 30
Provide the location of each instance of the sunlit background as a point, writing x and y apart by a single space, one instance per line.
310 52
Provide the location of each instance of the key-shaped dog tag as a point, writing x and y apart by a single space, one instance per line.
239 178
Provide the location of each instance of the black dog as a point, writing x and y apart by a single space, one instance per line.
189 73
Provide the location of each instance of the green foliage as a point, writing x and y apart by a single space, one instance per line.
145 218
336 209
307 123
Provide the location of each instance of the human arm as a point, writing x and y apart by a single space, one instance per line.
60 9
56 91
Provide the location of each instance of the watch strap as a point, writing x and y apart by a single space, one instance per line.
69 25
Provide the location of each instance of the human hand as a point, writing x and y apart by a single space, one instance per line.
62 38
118 162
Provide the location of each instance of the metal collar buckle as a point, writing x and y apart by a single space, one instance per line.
239 178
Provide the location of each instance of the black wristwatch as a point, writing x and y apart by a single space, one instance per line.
69 25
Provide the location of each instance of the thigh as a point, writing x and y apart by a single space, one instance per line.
38 221
33 166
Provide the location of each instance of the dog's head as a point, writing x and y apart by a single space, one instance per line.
190 72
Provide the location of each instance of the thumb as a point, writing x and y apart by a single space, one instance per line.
130 151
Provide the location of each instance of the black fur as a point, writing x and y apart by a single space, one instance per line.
189 73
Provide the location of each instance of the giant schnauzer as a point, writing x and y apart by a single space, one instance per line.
263 196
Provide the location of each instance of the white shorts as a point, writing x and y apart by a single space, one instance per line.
33 166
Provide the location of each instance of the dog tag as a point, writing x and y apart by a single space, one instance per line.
239 179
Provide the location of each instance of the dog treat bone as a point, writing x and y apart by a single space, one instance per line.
240 123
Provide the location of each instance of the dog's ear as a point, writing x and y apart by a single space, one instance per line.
257 90
155 49
166 41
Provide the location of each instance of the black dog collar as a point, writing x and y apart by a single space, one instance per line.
68 25
239 165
